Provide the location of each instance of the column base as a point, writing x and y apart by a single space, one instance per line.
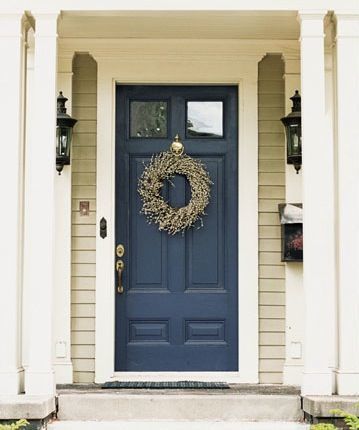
63 373
12 382
315 383
293 374
348 383
40 383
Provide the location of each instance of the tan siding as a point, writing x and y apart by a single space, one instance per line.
271 193
84 227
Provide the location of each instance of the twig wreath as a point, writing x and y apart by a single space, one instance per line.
165 166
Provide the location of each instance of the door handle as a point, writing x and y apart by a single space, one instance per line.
120 266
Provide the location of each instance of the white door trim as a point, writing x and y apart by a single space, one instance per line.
209 68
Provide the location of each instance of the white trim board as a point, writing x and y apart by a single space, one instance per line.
165 69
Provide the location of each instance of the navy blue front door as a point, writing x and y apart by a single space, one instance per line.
179 308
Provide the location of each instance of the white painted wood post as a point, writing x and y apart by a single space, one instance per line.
62 294
318 210
39 378
26 293
330 140
347 65
248 286
294 297
11 173
105 313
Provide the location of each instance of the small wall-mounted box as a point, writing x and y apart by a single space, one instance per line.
291 219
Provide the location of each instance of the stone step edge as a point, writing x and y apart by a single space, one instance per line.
173 425
98 406
26 406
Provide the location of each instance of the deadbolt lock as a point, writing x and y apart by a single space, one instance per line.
120 250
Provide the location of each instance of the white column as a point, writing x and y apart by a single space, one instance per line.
294 295
318 211
41 208
62 308
330 139
26 293
248 227
347 64
11 114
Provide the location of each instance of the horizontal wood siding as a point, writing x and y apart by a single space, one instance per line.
271 193
84 227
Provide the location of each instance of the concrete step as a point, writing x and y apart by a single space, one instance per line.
170 425
170 406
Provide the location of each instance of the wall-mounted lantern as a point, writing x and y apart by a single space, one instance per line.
64 128
293 127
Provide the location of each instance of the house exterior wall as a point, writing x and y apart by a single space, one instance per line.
329 109
84 227
271 192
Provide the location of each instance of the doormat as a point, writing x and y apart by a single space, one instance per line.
180 385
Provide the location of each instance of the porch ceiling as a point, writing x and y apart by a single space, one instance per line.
179 25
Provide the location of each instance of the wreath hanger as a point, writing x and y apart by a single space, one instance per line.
177 146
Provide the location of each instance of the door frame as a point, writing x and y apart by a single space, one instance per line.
197 63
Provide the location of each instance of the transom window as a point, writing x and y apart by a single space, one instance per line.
148 119
205 119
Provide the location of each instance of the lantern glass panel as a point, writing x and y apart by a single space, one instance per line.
294 140
63 135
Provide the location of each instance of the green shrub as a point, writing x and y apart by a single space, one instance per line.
352 421
323 427
14 426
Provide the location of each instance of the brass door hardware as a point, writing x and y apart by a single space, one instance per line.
120 250
177 146
120 266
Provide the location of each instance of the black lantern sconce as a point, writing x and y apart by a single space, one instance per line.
293 128
64 128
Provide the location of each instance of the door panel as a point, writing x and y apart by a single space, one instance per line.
204 268
179 310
